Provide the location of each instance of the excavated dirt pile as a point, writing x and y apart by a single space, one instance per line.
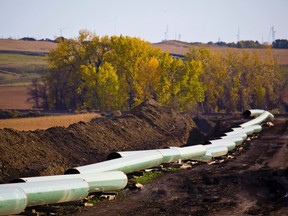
52 151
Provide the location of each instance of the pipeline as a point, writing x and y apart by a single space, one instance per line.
78 182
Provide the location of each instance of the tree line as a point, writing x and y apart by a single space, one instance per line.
119 72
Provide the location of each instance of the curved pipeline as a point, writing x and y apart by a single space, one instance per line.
109 175
259 120
252 112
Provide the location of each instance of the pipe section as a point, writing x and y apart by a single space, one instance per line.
216 151
236 139
230 144
49 192
98 182
132 163
169 155
249 130
265 116
13 200
252 112
206 158
236 133
120 154
191 152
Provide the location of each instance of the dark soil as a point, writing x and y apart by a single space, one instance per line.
254 182
52 151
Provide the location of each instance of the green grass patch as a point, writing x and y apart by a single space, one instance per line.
19 69
20 60
147 177
8 79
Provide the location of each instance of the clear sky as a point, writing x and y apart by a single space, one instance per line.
187 20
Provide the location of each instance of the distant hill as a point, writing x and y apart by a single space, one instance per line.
26 46
180 47
172 46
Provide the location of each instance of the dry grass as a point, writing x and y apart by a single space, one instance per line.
43 123
31 46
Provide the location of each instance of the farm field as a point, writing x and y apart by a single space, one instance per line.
14 97
20 69
43 123
26 46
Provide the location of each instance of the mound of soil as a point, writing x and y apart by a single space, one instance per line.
52 151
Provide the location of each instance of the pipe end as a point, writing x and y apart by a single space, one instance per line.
71 171
246 113
19 180
113 155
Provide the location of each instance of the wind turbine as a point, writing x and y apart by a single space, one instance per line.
166 33
238 35
61 30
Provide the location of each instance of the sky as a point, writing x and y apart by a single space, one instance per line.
151 20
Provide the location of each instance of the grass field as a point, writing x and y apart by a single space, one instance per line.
30 124
22 61
20 69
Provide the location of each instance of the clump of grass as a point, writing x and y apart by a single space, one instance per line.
147 177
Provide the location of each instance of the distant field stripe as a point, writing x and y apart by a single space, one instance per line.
31 124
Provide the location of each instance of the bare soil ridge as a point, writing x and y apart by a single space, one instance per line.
52 151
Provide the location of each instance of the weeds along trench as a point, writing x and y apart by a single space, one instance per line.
165 127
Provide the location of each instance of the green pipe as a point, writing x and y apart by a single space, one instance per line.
98 182
265 116
236 139
252 112
216 151
206 158
169 155
230 144
191 152
49 192
132 163
236 133
13 200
